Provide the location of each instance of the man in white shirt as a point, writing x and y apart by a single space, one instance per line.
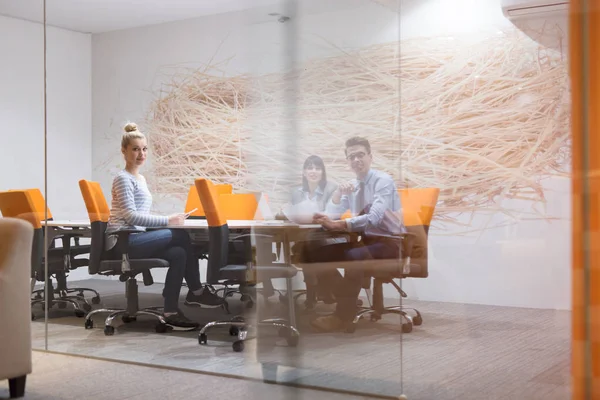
375 205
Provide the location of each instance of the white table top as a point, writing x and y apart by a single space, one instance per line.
200 224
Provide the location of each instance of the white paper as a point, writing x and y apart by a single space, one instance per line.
301 213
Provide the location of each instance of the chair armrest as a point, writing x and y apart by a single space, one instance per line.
123 247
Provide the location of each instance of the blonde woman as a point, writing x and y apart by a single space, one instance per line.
130 208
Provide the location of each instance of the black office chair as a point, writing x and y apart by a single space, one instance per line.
222 271
24 204
101 263
418 206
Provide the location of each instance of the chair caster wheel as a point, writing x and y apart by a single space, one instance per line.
96 300
351 328
127 319
86 307
202 338
292 340
89 324
79 313
407 328
109 330
234 331
418 320
160 328
238 346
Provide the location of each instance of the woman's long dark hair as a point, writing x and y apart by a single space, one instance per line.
317 162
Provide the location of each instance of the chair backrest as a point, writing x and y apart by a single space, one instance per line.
241 206
98 212
39 202
19 204
418 206
193 200
218 230
94 199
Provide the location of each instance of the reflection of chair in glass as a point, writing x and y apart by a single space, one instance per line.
16 239
69 252
220 268
418 206
21 204
126 269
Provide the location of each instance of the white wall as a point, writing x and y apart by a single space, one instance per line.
526 265
69 109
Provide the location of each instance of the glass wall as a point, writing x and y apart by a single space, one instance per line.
378 194
22 132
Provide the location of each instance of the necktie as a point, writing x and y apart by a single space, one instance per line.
360 198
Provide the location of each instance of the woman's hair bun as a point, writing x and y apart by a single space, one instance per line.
130 127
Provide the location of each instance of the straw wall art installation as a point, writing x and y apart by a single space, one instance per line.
482 120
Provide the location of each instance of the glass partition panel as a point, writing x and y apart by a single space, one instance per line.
485 111
377 195
22 155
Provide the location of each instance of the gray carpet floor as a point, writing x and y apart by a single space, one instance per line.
460 352
63 377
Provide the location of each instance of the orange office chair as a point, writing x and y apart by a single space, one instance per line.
193 200
70 251
238 206
22 204
418 206
220 268
127 269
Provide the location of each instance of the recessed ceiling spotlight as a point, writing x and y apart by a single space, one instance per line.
283 19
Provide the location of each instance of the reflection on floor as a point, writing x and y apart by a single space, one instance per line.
460 351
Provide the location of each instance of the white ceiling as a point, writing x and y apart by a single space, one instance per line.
96 16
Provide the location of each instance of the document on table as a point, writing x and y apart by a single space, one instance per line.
301 213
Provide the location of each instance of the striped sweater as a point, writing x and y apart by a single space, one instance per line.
131 202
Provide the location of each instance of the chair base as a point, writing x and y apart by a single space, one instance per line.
377 309
126 317
80 293
62 296
408 321
128 314
239 327
62 302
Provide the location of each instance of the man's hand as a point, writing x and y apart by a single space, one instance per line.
343 189
328 223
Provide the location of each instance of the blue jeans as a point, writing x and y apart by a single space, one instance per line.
173 245
347 288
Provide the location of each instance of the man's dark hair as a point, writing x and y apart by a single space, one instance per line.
358 141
